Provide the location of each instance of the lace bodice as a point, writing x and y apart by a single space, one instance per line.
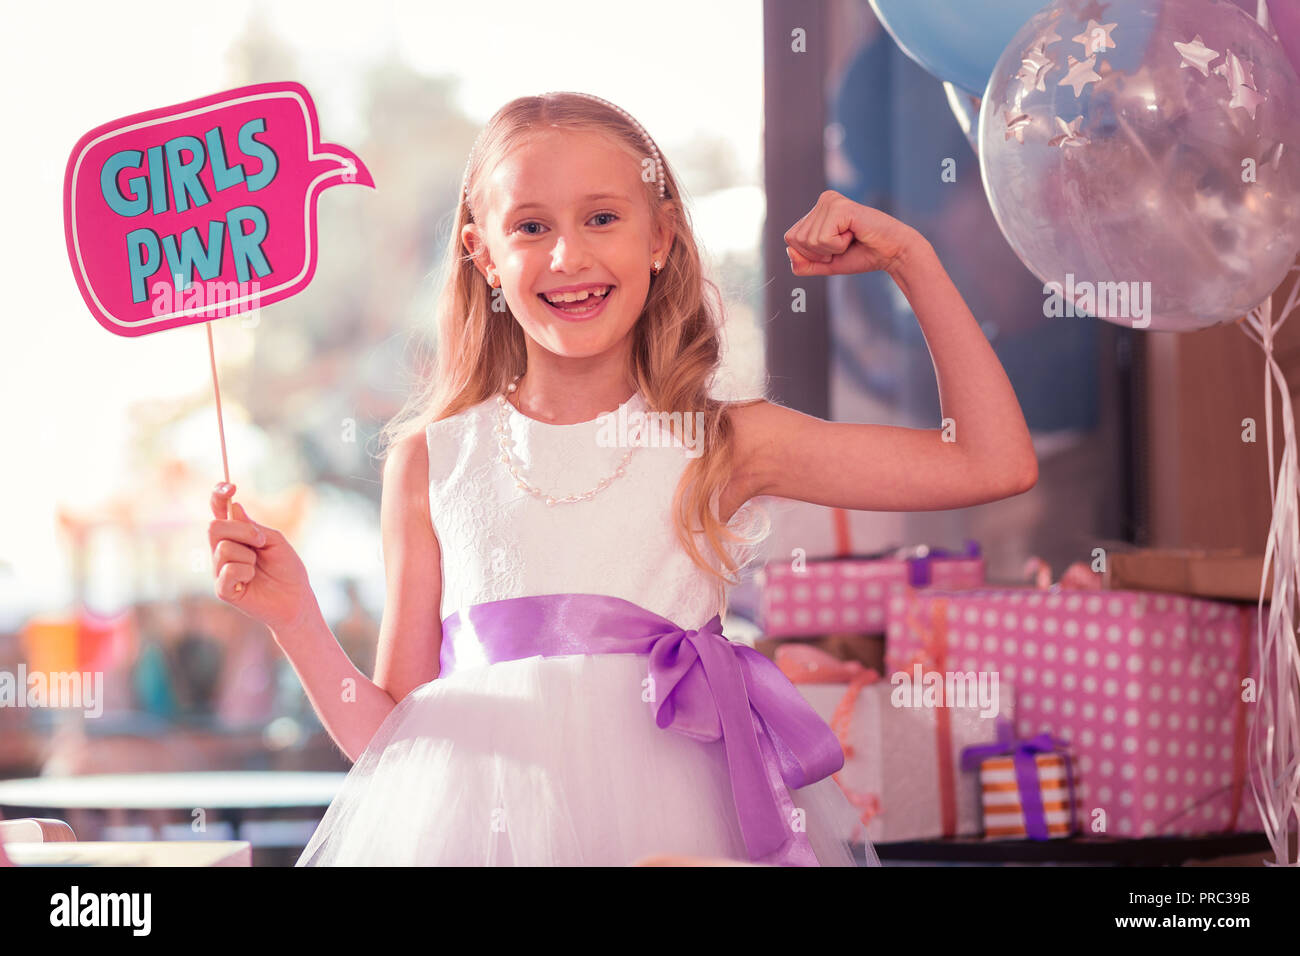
498 541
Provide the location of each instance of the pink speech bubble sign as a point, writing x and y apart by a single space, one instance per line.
220 191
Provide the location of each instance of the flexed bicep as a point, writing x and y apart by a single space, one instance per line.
863 467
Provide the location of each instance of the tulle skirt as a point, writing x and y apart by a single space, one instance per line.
546 761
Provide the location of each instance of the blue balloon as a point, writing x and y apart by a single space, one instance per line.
959 41
966 110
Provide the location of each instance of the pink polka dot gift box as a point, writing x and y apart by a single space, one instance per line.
852 595
1152 691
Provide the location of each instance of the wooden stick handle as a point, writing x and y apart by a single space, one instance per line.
221 428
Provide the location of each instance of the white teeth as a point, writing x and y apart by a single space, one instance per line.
575 296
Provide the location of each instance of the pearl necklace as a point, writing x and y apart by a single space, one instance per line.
502 430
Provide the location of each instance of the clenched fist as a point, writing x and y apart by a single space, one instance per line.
842 237
254 567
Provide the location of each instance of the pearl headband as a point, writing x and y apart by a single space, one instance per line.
654 150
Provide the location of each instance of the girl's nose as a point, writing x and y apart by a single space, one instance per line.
567 254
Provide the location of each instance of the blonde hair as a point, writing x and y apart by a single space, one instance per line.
676 341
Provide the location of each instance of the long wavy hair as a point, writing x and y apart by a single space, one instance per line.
676 340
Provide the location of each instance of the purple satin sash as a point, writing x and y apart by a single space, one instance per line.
701 685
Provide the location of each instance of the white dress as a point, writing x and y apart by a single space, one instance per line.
552 760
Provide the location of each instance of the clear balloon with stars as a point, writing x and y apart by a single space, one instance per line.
1143 159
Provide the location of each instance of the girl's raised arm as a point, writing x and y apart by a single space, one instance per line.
982 450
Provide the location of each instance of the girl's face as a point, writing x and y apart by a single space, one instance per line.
567 212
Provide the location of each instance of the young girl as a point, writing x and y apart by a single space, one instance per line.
552 683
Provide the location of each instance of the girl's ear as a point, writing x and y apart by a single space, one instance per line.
469 238
472 239
662 240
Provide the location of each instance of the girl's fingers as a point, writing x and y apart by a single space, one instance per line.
792 241
232 581
803 266
809 251
242 531
816 238
799 236
803 240
793 231
220 497
242 515
812 236
227 550
819 238
827 239
831 246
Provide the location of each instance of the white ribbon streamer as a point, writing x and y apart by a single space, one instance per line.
1274 741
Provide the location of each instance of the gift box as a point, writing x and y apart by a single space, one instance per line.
867 649
902 745
1026 786
852 594
1146 686
1215 574
819 532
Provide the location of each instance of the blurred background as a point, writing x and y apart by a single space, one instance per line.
104 561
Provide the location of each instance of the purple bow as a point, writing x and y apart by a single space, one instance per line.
919 570
1026 766
703 686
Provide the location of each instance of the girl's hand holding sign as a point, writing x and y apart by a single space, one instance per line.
256 569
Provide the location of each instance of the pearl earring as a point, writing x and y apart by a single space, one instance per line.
655 270
492 278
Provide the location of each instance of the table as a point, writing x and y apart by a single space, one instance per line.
1077 850
234 793
126 853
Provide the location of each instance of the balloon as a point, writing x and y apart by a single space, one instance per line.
956 40
1147 166
1285 17
966 108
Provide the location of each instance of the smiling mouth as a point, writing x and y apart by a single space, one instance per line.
589 305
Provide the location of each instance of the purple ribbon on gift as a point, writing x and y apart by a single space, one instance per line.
705 687
1026 766
918 568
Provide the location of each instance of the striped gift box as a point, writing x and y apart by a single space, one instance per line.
1004 816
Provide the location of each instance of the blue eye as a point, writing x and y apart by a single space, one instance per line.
522 227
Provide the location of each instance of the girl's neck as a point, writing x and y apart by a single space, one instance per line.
564 398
